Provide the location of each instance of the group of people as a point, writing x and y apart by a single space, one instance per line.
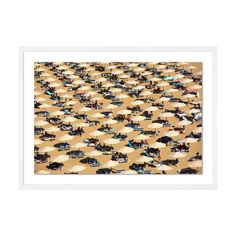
68 87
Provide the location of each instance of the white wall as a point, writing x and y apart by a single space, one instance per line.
117 23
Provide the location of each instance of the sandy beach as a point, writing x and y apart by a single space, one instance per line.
127 108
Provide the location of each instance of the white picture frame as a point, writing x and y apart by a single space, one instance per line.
27 178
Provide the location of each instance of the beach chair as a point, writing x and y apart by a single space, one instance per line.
75 154
42 113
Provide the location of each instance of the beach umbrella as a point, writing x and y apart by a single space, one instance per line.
178 155
191 68
84 109
193 111
40 99
124 76
139 87
96 73
155 126
96 133
161 66
89 69
146 93
178 104
195 164
122 96
76 168
47 149
66 96
189 95
111 106
36 93
84 64
196 86
141 137
45 105
151 108
61 158
137 103
108 85
69 119
125 150
97 115
144 159
164 167
97 99
126 130
185 122
117 72
179 76
132 82
79 145
41 123
183 64
138 118
71 103
196 102
171 133
111 164
52 129
115 90
190 140
133 64
155 79
110 122
50 79
68 72
111 141
163 84
167 114
124 112
62 67
186 81
73 76
128 172
40 69
43 172
66 137
54 85
172 90
57 113
164 99
37 141
45 74
168 71
78 82
93 153
146 73
83 88
158 145
101 80
139 69
82 124
110 67
60 91
197 130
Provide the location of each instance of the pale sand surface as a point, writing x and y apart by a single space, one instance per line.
135 156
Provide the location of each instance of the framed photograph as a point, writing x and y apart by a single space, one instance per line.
118 118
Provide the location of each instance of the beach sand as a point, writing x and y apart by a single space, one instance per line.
136 154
